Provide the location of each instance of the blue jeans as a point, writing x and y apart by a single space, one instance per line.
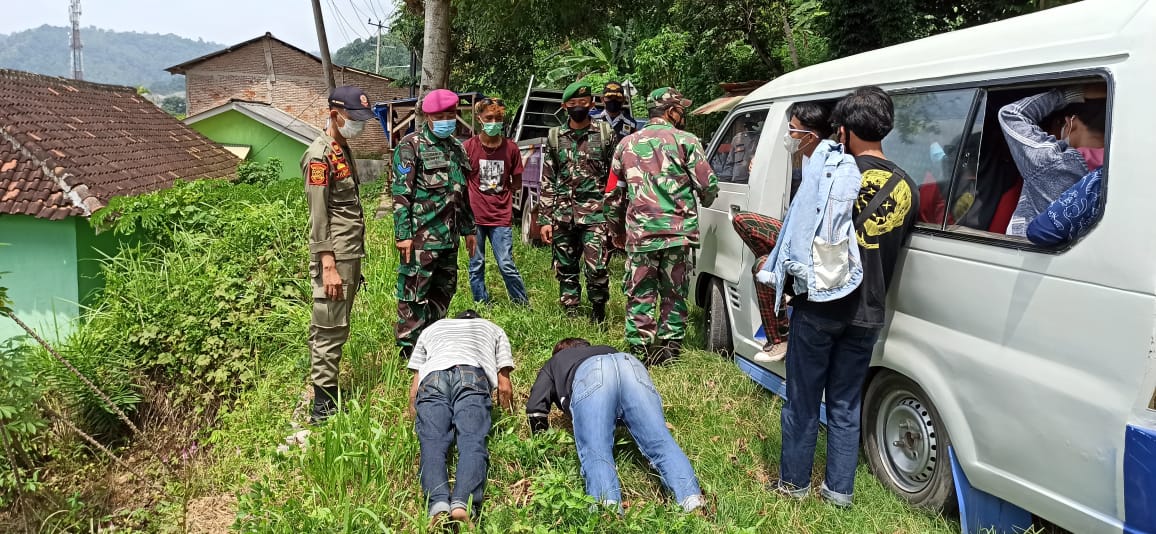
831 356
502 239
617 387
454 401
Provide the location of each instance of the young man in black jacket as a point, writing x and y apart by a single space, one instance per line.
599 386
830 343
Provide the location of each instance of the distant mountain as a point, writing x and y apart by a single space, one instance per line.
124 58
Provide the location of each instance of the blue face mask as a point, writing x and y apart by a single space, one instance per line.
444 129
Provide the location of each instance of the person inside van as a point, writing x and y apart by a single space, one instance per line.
1052 165
1070 216
808 125
831 339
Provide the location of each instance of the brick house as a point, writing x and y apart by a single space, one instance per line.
67 147
271 71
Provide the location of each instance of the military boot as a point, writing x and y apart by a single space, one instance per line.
670 350
572 311
324 403
598 313
405 352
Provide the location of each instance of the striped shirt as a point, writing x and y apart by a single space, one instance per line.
451 342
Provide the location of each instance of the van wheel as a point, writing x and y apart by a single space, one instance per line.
718 327
906 442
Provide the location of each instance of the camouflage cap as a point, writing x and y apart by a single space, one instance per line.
577 89
665 97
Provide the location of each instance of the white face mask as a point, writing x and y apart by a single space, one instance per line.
1066 130
794 144
351 128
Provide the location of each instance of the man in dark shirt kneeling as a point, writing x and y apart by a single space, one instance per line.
599 386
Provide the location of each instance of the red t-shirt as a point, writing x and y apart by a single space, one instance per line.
491 181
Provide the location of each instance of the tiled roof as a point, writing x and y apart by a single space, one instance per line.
67 146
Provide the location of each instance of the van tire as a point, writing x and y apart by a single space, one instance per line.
718 324
896 409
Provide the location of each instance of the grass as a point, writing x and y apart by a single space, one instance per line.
360 472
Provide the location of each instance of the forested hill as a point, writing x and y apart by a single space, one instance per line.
125 58
361 54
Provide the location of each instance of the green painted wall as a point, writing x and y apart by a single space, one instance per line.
90 250
41 265
234 128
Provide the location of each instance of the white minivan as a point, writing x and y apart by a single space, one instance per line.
1011 380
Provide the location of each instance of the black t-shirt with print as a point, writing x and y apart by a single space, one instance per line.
880 241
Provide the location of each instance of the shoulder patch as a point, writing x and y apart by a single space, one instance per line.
318 173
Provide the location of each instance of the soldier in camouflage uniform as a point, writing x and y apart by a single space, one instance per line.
336 240
653 214
570 208
431 213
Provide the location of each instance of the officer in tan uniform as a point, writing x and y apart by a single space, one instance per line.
336 240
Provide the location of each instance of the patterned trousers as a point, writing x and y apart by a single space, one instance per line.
425 287
661 273
760 232
575 246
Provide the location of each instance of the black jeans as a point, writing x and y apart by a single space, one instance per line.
829 356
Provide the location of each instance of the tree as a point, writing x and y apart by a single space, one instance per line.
855 26
174 105
436 53
609 56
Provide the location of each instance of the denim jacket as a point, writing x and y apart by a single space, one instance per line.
817 244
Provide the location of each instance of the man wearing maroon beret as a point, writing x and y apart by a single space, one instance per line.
431 213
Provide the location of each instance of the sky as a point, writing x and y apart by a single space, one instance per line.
222 21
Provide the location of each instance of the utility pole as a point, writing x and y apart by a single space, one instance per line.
77 56
377 62
326 62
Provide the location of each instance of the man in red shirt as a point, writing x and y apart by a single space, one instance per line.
495 173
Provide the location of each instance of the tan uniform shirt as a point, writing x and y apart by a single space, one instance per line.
336 221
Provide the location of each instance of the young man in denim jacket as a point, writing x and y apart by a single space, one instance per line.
830 343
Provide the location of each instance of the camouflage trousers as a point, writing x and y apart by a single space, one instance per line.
577 245
425 287
329 327
661 273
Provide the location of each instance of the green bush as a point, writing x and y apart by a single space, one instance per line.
193 309
259 173
20 421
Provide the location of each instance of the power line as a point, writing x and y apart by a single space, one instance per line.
353 4
372 8
344 34
354 29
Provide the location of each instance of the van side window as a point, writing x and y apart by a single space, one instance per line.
973 177
926 141
735 152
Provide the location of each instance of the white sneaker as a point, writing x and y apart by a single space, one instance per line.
774 353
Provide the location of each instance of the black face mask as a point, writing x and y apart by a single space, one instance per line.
614 106
578 113
680 122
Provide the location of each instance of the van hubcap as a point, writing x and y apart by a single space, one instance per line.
906 434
